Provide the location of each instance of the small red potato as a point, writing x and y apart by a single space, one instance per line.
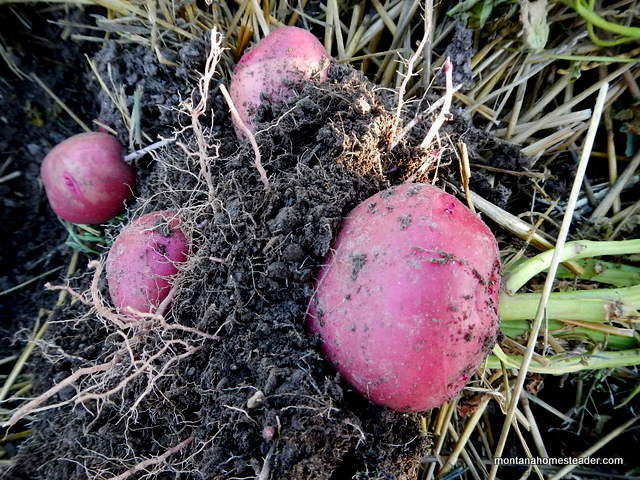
143 259
406 303
286 56
86 179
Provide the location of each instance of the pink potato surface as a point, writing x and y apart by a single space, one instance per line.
143 259
406 303
286 56
86 178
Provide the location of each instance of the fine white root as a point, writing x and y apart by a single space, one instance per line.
150 462
197 110
442 116
32 406
395 139
248 133
446 106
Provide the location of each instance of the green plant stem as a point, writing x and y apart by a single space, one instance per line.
561 364
616 274
590 16
599 305
576 250
518 328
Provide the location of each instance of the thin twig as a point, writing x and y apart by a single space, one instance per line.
150 148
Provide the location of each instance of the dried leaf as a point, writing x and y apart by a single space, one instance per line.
534 21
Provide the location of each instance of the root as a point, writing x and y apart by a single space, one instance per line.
195 111
140 368
144 345
446 106
150 462
394 140
32 406
434 130
96 298
70 291
249 134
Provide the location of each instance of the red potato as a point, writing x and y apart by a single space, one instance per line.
406 303
287 55
86 178
143 259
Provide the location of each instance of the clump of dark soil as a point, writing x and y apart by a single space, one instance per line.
258 400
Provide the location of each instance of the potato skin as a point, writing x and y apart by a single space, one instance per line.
86 178
286 55
406 303
143 259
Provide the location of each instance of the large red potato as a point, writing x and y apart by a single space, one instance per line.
86 178
143 260
406 302
284 57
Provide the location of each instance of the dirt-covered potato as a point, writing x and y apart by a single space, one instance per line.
406 303
86 178
286 56
143 259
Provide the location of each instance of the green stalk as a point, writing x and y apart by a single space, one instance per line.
561 364
582 314
519 328
599 305
616 274
577 250
592 17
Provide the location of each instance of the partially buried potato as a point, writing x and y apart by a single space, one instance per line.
86 179
406 304
286 56
143 261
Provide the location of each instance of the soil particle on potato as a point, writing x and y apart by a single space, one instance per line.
405 221
358 261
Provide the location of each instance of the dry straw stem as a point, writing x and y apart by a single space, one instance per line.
148 149
39 334
465 173
57 99
614 192
466 434
446 106
471 464
563 472
122 7
548 285
448 408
